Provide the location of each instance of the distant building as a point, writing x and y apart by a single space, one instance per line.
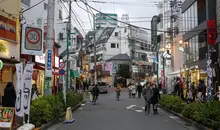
107 19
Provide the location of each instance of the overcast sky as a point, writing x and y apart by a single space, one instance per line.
135 8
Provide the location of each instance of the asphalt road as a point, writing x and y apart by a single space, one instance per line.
126 114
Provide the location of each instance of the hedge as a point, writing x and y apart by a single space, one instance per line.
48 108
207 114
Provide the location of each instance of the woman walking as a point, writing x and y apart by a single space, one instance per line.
155 99
147 94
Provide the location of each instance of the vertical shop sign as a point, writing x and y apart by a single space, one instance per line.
19 111
211 32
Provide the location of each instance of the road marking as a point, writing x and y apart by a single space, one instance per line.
139 110
174 117
82 104
129 107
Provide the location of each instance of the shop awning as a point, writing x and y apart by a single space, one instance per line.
74 73
38 67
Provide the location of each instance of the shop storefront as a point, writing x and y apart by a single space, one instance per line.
9 46
38 74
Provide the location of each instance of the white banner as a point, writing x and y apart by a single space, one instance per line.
27 82
151 56
19 110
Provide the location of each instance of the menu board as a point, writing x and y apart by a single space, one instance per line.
6 117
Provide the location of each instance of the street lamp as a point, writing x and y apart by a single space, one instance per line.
165 55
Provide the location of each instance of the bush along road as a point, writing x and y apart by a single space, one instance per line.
206 114
48 108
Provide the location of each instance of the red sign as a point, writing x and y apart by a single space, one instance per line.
211 32
7 28
35 75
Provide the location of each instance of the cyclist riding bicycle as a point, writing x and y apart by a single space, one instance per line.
118 90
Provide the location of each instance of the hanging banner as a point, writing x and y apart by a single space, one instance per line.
27 82
19 110
211 32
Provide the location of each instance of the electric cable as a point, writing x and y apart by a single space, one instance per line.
132 24
75 20
33 6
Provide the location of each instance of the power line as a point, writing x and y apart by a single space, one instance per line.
132 24
32 6
75 20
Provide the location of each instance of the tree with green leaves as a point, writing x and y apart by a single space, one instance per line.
124 71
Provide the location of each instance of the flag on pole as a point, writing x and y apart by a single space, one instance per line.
19 109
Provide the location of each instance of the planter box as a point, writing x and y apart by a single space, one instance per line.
189 121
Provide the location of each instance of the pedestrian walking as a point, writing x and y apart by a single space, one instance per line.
193 89
139 89
95 94
155 99
9 95
201 91
147 94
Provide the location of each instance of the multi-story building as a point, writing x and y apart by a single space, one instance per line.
139 47
124 39
9 42
169 23
196 15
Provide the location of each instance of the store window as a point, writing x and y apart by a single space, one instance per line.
190 17
113 45
193 49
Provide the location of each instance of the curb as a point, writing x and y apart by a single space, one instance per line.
189 121
45 126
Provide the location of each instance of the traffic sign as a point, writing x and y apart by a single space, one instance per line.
49 59
62 72
62 65
33 38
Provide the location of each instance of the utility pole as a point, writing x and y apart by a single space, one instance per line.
49 47
94 29
67 44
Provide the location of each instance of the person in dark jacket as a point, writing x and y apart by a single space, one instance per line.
139 90
155 99
95 93
147 94
9 95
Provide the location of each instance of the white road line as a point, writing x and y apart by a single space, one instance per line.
139 110
129 107
174 117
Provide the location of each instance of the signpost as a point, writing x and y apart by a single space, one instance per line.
32 40
62 65
62 72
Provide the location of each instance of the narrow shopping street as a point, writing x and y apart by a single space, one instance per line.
110 114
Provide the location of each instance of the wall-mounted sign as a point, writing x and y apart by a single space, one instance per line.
211 30
3 48
7 29
1 64
32 40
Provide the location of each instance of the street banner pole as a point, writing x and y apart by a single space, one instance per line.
49 48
